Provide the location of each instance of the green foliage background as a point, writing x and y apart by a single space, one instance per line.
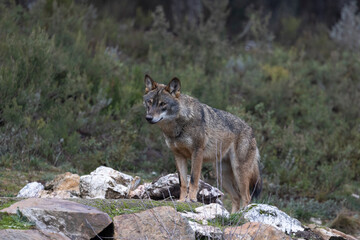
71 86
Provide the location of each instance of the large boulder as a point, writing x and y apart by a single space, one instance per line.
71 219
106 182
156 223
254 231
30 190
169 185
31 234
271 215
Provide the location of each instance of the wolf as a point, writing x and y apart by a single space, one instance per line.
197 132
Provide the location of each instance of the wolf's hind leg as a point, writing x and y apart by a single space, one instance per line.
229 184
242 170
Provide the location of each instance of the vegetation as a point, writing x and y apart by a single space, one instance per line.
71 86
15 221
115 207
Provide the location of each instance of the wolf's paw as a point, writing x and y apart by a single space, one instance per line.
182 200
193 200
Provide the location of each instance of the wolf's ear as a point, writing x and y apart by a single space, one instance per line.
174 87
149 84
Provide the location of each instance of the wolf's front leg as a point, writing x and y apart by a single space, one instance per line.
181 165
196 165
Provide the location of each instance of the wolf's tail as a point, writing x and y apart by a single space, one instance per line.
256 187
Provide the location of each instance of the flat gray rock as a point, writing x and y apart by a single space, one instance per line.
32 234
157 223
72 219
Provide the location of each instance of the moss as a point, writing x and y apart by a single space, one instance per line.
15 221
235 219
251 206
115 207
264 212
7 202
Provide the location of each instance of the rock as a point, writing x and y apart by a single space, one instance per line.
316 220
64 182
32 234
57 194
254 231
156 223
330 234
140 192
105 182
207 212
205 231
31 190
72 219
203 214
119 177
169 185
355 195
62 186
346 221
271 215
308 234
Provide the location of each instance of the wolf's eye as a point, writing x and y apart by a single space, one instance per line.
149 101
162 104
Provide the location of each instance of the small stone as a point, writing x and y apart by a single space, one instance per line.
30 190
355 196
207 212
204 231
316 220
140 192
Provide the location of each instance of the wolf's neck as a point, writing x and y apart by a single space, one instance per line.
173 129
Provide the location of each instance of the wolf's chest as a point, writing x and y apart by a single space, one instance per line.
180 142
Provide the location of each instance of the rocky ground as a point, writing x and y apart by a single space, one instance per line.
108 204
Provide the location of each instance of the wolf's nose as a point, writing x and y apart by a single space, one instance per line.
149 118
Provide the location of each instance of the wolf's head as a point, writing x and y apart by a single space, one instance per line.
161 101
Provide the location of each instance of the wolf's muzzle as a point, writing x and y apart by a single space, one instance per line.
149 118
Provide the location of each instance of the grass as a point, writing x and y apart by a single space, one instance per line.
15 221
235 219
7 202
11 181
